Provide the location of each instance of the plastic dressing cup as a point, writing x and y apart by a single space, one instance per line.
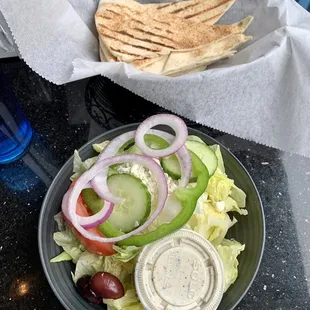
181 271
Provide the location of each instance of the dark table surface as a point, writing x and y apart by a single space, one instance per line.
65 117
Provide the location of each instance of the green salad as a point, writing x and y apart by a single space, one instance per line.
212 216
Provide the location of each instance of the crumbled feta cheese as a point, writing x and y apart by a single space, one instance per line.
125 168
172 185
147 179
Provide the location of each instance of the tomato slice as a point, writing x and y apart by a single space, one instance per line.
95 247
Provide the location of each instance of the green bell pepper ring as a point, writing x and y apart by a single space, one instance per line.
152 141
187 197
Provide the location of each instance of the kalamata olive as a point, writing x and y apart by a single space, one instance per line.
84 290
106 285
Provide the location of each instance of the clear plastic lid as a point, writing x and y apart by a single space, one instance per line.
181 271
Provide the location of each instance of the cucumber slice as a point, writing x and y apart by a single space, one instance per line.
220 162
195 138
130 213
205 153
172 167
136 207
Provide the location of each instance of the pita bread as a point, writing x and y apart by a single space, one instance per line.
101 55
185 60
197 63
190 66
181 59
105 51
138 34
168 38
142 63
105 55
206 11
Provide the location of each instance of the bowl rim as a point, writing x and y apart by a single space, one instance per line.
127 126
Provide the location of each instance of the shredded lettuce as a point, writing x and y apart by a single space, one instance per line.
125 253
66 239
219 186
231 205
211 218
211 224
224 195
238 195
120 269
229 251
130 301
88 264
80 166
63 256
98 147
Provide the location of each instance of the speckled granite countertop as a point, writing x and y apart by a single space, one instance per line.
66 117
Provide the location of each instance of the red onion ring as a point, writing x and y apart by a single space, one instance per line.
88 221
112 148
65 203
182 154
176 123
87 176
98 218
99 181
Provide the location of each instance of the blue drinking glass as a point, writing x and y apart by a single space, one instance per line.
15 130
305 4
